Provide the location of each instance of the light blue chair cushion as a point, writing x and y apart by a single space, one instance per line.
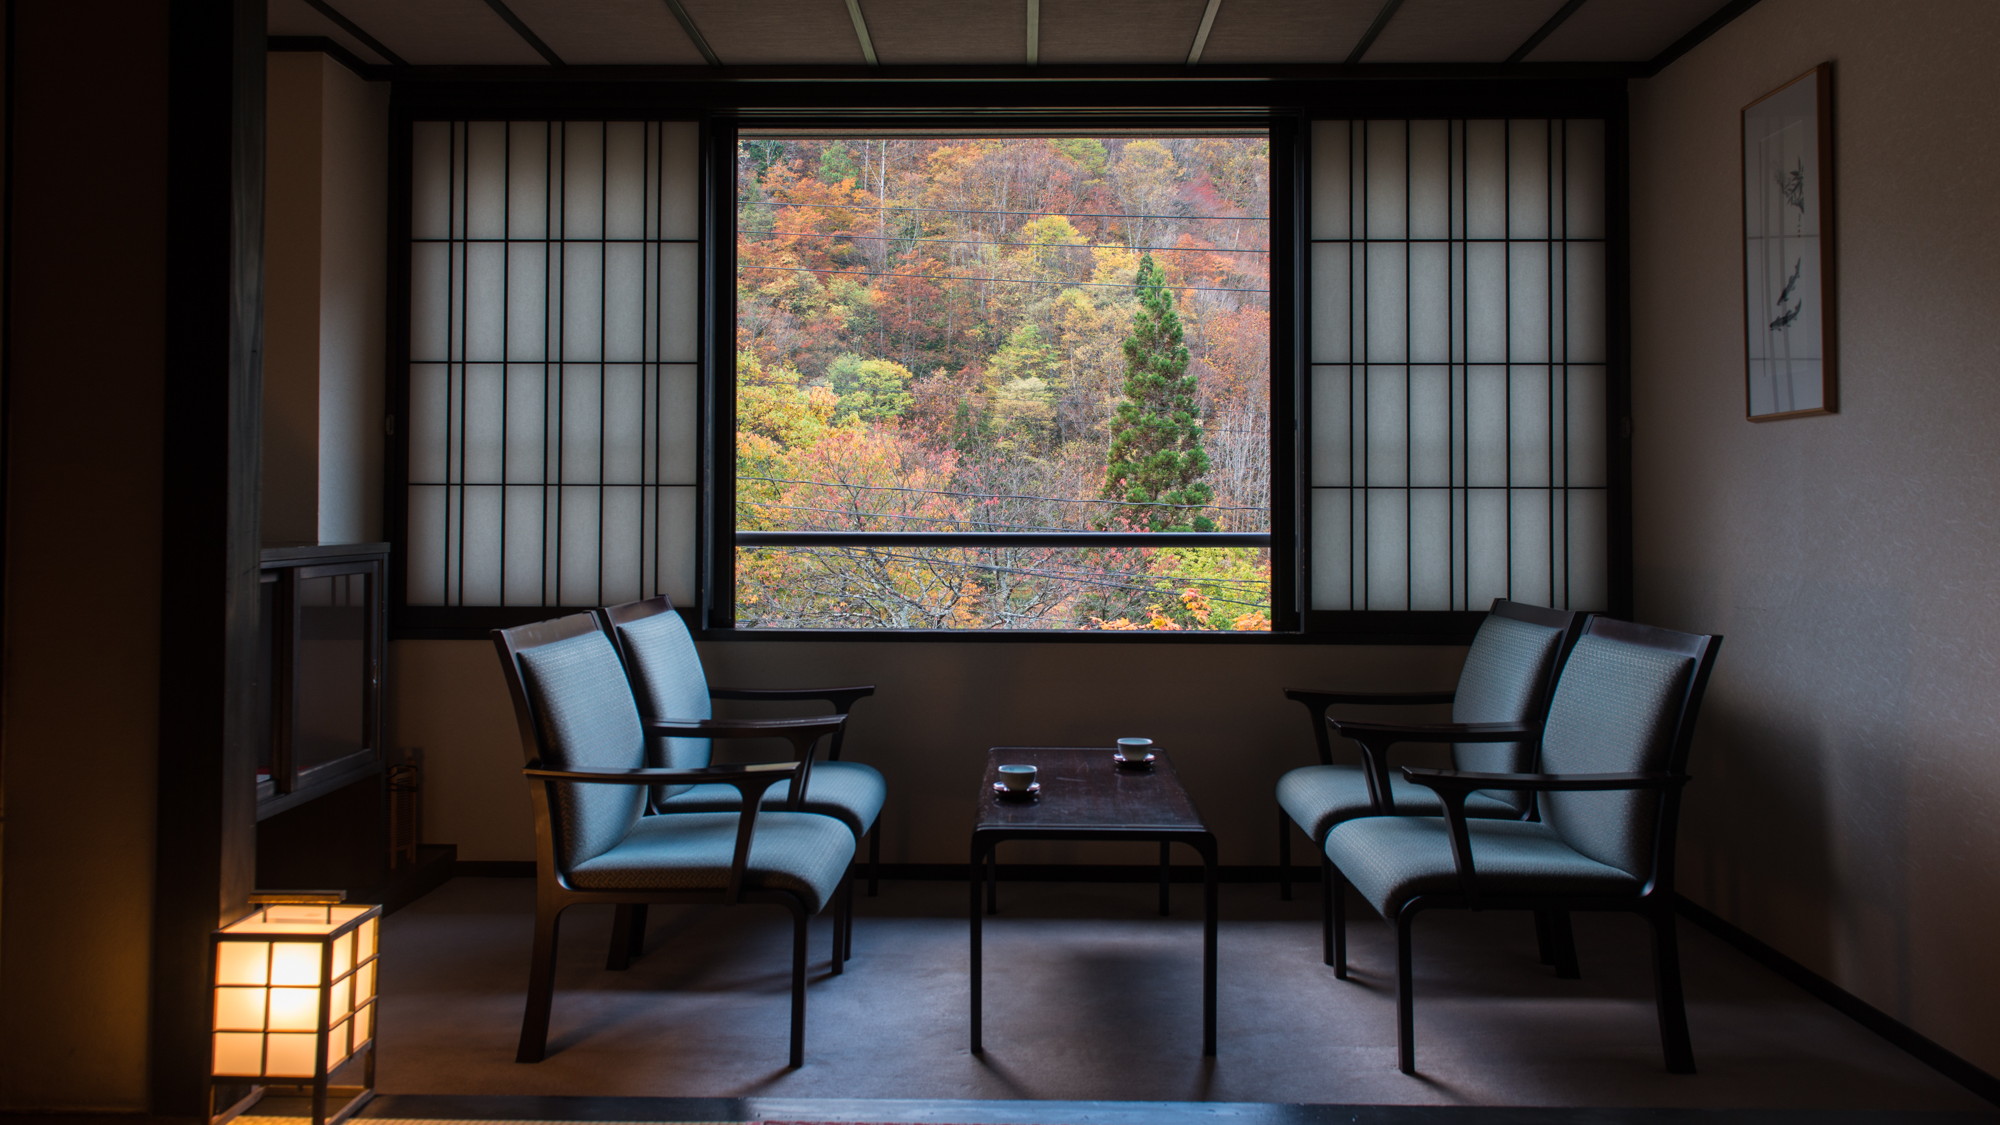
668 678
797 852
1319 797
588 722
850 792
1614 711
1392 859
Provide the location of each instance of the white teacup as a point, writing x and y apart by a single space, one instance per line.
1017 778
1134 749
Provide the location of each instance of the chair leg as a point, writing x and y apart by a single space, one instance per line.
847 934
1284 856
875 859
541 987
628 936
1668 996
799 920
1406 1005
1545 949
841 900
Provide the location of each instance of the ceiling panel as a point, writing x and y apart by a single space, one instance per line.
1288 31
1464 31
974 32
588 32
776 31
441 32
1119 31
1622 30
296 17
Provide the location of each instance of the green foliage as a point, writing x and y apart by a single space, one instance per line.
1088 153
836 163
1156 455
874 390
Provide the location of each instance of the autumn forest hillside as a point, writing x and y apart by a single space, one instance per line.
1003 335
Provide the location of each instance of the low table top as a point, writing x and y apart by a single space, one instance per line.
1084 790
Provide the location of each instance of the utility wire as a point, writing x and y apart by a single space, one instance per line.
964 211
879 553
1016 280
971 242
999 495
1058 570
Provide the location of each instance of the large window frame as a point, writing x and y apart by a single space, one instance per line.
1281 105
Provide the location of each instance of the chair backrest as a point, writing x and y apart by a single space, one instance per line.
575 712
1507 677
667 678
1627 701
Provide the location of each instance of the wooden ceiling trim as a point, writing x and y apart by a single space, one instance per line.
1201 33
861 32
521 29
693 32
1374 31
354 29
1547 29
1034 32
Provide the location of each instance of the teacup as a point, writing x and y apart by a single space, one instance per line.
1017 778
1134 749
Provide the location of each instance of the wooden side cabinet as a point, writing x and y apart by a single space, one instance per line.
324 631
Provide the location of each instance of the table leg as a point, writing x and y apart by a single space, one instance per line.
980 853
1166 871
992 879
1211 913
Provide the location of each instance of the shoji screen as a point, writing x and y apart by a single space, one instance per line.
1457 404
553 342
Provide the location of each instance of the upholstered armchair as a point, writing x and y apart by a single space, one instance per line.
1503 688
586 751
1612 757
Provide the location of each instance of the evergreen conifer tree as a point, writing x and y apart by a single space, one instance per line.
1156 454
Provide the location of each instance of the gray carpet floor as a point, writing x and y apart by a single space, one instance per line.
1091 997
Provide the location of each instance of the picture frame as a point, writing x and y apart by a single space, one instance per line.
1788 261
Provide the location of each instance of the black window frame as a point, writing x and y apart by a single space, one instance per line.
1278 101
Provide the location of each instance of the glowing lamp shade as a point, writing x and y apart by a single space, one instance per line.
294 991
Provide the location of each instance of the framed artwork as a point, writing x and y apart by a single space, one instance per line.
1788 250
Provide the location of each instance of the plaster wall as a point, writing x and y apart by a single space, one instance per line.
1218 708
1846 770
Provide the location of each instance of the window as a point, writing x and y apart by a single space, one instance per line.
1003 381
553 395
1459 381
869 379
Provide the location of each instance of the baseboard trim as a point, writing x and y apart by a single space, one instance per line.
1925 1050
1009 872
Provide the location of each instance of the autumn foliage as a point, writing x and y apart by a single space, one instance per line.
932 335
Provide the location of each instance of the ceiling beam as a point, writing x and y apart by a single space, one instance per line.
1201 33
1701 31
861 32
521 29
354 29
1382 19
1543 32
694 33
1034 32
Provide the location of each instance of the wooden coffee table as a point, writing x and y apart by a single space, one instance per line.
1086 796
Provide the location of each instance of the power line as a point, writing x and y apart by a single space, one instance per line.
971 242
999 495
877 552
1039 214
961 523
1016 280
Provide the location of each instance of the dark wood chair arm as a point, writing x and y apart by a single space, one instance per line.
1390 733
1469 780
751 782
1323 699
1454 786
842 699
802 733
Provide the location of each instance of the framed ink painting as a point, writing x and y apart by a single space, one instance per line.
1788 249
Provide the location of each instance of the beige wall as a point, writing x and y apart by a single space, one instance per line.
1846 773
326 296
938 707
